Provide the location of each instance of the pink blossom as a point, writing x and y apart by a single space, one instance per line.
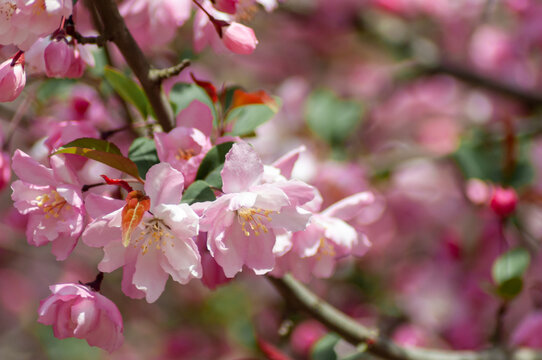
160 246
12 79
77 311
183 148
327 238
53 201
243 223
22 22
527 333
154 23
239 38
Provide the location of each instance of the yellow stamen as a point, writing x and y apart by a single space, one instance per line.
185 154
155 232
52 206
255 218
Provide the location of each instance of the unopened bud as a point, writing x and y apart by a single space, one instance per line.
239 39
503 201
12 78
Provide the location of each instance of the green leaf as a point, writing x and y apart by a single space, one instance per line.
59 88
94 144
511 264
510 288
101 151
128 90
214 178
182 94
143 153
508 271
212 160
324 349
247 118
331 118
481 156
198 191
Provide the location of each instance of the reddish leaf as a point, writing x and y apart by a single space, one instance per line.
119 182
241 98
207 86
132 213
270 351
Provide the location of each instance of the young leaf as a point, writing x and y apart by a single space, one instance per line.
128 90
107 154
143 153
132 213
94 144
324 349
241 98
331 118
198 191
183 94
247 118
213 159
508 271
207 86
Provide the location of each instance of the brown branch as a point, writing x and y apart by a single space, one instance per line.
355 333
163 74
530 98
114 28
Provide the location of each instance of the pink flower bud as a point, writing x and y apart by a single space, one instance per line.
77 66
5 170
58 58
77 311
227 6
503 201
12 79
305 335
239 39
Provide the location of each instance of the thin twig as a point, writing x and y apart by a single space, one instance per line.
355 333
163 74
114 28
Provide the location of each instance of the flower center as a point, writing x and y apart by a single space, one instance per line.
52 204
246 10
325 248
39 7
185 154
7 8
156 233
255 218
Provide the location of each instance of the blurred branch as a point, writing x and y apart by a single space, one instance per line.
114 28
530 98
355 333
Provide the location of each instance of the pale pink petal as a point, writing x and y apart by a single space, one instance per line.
289 218
349 207
113 256
29 170
164 185
99 205
197 115
149 276
286 163
259 254
85 315
242 169
183 260
63 246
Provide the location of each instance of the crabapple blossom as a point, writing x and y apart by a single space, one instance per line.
183 148
154 23
327 238
77 311
5 170
160 246
52 199
242 223
22 22
12 79
503 201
